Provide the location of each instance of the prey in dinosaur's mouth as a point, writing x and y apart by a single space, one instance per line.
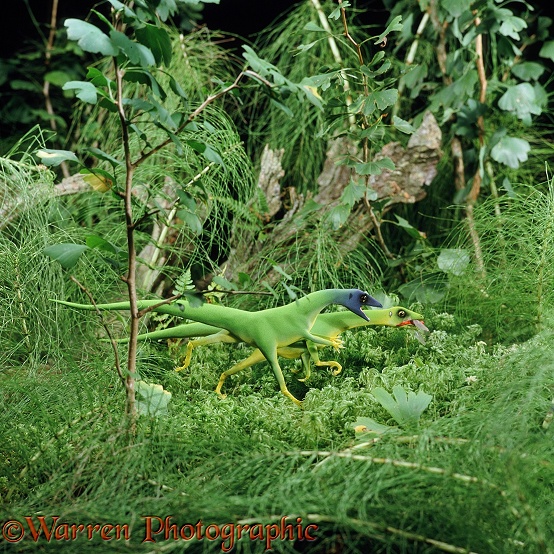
417 323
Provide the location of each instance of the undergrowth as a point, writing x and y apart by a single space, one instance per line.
475 475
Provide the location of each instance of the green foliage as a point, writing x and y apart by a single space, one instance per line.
478 445
469 471
405 407
319 57
152 400
33 332
517 240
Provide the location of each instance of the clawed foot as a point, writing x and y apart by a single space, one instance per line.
188 355
337 343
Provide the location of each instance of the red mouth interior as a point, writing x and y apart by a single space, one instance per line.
407 322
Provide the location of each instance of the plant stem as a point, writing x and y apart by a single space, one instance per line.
336 55
199 110
365 141
130 279
46 85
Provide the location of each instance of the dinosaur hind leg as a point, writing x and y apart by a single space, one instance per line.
314 357
222 336
254 358
271 357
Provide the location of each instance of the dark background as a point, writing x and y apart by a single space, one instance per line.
240 17
245 18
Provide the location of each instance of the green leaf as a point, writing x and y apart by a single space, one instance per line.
84 91
280 270
380 100
152 399
184 283
306 47
511 151
146 78
311 26
141 134
353 192
285 109
66 254
406 407
18 84
367 168
507 186
547 50
206 150
176 88
95 241
101 155
453 260
157 40
528 71
97 78
224 283
402 126
520 100
511 25
374 168
51 157
386 163
335 14
423 292
137 53
120 6
367 428
90 38
394 25
58 78
191 219
456 8
338 215
408 227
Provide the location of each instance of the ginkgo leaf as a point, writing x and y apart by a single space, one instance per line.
510 151
405 407
90 38
521 100
453 260
84 90
152 399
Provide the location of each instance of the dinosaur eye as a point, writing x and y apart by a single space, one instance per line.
363 298
401 313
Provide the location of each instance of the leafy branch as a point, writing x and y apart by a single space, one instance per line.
139 46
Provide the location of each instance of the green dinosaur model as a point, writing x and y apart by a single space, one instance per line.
268 330
327 325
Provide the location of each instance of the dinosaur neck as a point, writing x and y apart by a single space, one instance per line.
312 304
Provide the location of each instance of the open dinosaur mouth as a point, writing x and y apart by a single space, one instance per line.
417 323
407 322
363 315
